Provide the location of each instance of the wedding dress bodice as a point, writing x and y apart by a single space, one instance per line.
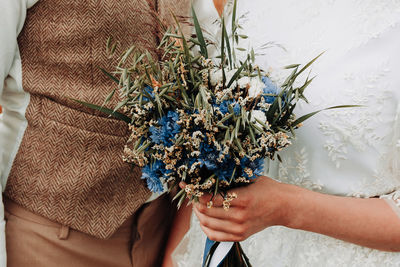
349 152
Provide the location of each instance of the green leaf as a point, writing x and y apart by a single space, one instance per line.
109 97
309 64
293 66
181 200
127 54
252 55
199 33
227 117
223 53
228 46
120 104
309 115
233 175
184 42
237 73
234 17
115 79
108 111
179 194
237 128
252 137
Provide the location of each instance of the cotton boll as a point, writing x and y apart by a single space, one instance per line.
243 82
216 76
260 115
229 74
256 87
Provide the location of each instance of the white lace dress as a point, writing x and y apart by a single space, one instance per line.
349 152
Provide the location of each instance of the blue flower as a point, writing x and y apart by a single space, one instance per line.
148 90
223 107
257 166
151 174
236 109
270 88
155 135
167 130
208 156
225 169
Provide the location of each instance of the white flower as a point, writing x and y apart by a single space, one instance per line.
260 115
256 87
243 82
216 76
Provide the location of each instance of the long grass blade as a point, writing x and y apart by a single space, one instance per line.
200 36
107 111
309 115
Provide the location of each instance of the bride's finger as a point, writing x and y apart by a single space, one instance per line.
217 201
226 226
220 236
234 214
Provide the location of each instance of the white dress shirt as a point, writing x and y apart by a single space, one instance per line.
12 97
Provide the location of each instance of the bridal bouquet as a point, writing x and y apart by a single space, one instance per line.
209 122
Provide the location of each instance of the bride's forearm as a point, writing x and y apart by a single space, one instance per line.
367 222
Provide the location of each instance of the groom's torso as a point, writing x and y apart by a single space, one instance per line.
69 165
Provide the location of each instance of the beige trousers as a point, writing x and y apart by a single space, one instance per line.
34 241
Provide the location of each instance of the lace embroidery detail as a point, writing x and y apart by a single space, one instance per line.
357 128
282 247
295 170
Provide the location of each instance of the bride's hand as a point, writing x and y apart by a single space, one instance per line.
257 206
366 222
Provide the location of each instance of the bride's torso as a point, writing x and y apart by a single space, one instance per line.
352 152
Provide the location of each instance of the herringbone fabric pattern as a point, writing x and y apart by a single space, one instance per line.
69 166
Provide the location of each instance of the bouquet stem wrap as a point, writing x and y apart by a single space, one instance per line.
220 254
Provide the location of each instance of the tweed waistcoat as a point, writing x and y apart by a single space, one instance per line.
69 166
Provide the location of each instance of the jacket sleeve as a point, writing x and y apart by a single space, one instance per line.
12 18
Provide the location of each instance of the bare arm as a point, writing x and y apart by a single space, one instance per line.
366 222
179 228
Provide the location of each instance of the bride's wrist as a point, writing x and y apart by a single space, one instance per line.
294 206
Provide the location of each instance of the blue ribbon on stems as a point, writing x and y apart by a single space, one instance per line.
215 252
